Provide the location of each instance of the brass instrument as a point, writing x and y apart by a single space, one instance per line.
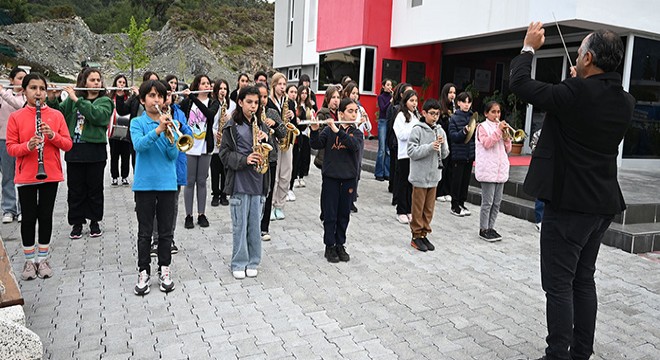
258 147
472 125
41 171
291 130
183 142
513 134
222 124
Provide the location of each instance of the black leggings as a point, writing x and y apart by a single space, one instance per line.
119 150
37 203
217 176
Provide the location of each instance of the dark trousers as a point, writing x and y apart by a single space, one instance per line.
391 187
336 199
120 150
403 187
268 205
301 159
444 185
460 181
160 204
569 248
37 203
217 176
85 191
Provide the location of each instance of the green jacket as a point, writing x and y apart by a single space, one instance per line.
97 115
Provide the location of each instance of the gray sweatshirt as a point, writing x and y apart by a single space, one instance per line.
424 160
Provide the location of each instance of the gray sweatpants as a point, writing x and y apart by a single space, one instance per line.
491 197
198 172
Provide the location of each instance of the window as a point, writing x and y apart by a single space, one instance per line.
416 3
415 73
316 72
289 37
357 63
311 28
293 74
392 70
642 140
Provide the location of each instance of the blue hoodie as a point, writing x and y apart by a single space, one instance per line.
181 162
155 157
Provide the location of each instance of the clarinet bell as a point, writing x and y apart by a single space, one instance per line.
41 172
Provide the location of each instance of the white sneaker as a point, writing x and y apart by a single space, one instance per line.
19 218
251 273
409 217
465 211
457 213
165 277
538 226
290 196
272 215
442 198
265 236
296 183
448 197
238 274
402 218
142 286
302 182
7 218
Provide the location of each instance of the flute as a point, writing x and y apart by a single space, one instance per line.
192 92
323 122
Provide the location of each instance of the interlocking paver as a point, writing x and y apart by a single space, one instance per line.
467 300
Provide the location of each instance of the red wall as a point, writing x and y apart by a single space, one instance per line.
369 23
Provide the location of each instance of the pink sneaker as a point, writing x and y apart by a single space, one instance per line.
29 271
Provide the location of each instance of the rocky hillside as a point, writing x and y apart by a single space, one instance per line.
60 46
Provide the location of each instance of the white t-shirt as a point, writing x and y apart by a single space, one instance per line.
402 129
197 123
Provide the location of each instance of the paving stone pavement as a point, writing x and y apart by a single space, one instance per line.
467 300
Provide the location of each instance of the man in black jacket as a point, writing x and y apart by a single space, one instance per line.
574 171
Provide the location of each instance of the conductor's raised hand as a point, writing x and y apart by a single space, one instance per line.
535 36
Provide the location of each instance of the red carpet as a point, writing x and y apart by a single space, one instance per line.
520 160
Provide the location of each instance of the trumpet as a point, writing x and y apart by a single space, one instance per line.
183 142
513 134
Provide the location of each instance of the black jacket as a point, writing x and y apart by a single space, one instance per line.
574 165
341 159
459 149
208 112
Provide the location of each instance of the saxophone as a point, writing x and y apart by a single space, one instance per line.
291 130
262 149
221 126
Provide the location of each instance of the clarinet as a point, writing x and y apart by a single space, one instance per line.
41 171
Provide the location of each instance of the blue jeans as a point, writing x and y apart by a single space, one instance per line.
8 167
383 157
246 230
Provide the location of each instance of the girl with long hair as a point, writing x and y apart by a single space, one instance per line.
220 93
120 148
405 120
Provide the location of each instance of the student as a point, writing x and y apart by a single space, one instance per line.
278 99
87 115
491 168
37 197
447 97
154 184
427 146
329 110
274 122
120 149
179 120
301 150
292 95
305 81
261 77
362 121
462 154
390 138
242 82
220 93
246 187
403 125
10 101
382 171
339 175
200 110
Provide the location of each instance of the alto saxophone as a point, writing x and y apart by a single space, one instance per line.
263 149
291 130
221 126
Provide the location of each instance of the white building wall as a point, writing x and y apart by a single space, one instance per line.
438 21
303 50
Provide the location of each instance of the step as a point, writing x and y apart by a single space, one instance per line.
635 238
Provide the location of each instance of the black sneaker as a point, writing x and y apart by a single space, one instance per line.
174 249
331 254
353 208
215 201
485 234
418 243
153 251
189 222
465 211
202 220
343 255
76 232
428 244
495 235
95 229
223 200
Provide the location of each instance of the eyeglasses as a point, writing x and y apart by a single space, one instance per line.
434 113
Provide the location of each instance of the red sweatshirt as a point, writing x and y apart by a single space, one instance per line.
21 128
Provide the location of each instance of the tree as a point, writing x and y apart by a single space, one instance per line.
134 54
17 10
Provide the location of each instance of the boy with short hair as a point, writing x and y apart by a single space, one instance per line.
427 146
154 184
